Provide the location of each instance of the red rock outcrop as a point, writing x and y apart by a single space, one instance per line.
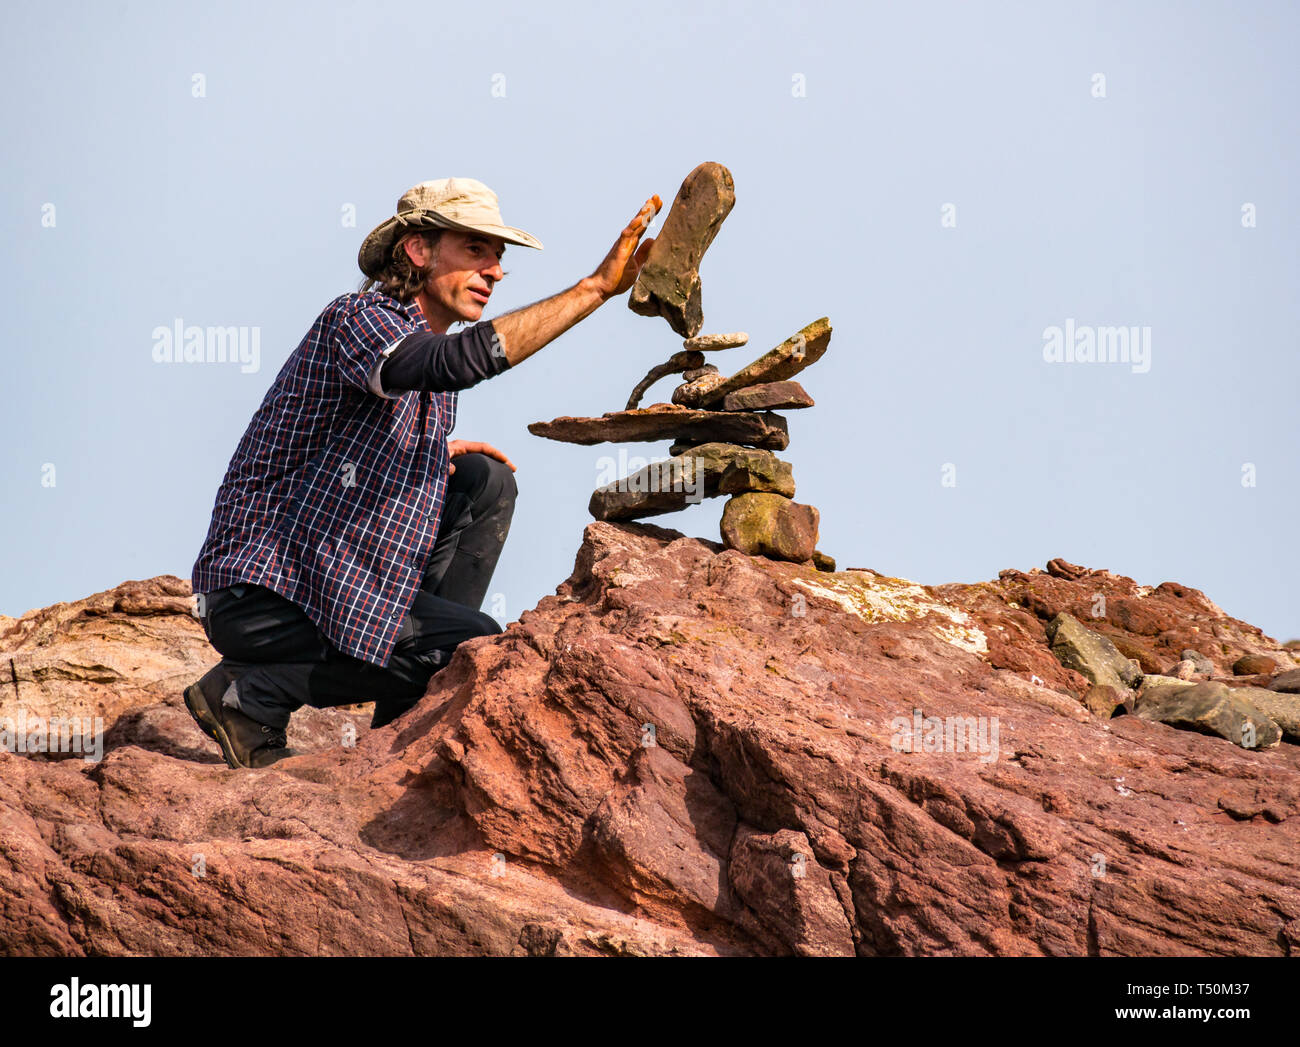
686 750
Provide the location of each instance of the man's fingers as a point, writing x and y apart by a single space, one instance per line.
475 447
644 217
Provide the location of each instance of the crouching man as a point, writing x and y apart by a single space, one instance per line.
352 544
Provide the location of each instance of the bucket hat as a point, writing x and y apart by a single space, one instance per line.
465 204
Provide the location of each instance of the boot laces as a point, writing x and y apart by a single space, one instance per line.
275 737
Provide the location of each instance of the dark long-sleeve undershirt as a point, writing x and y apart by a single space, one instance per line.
443 363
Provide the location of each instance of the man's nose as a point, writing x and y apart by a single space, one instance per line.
494 271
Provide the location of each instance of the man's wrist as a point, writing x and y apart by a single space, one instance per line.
589 286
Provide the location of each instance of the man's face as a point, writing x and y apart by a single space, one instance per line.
466 268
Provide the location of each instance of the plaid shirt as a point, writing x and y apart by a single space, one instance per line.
333 496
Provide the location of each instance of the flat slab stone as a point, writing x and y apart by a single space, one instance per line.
708 342
669 422
706 471
770 396
669 282
800 350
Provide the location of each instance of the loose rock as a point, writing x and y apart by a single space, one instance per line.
669 282
695 392
1282 709
676 364
800 350
1104 702
823 562
1203 664
770 525
1287 683
770 396
709 342
666 421
1087 652
1210 708
705 471
1059 567
1253 664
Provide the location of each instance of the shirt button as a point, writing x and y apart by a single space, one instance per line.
396 615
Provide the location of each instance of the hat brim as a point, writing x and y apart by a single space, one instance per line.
375 247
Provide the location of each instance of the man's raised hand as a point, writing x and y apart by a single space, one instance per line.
618 272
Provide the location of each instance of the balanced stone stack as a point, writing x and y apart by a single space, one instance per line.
723 429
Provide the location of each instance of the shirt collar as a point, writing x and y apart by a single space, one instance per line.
416 314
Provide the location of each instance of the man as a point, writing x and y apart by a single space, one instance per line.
352 543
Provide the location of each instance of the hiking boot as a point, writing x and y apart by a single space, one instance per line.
203 698
246 743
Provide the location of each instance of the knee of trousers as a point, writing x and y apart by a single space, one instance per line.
430 659
487 480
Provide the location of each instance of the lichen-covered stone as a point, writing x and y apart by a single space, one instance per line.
800 350
770 525
1096 657
823 562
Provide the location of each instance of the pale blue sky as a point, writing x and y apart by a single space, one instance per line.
225 210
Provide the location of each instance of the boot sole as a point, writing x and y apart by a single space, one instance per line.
197 704
228 751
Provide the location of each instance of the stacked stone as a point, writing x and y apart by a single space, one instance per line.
723 429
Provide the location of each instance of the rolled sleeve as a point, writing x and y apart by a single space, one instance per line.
364 336
376 384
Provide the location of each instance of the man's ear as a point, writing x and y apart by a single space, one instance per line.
418 250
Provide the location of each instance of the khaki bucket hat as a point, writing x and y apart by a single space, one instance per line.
448 203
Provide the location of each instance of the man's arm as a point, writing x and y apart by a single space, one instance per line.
442 362
526 330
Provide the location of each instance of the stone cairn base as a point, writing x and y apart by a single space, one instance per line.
723 429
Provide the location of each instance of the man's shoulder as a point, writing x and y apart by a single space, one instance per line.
354 302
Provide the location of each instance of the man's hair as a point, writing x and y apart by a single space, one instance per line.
401 278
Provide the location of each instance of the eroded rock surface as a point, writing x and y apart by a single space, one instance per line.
686 750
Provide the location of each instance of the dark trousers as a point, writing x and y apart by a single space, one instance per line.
282 661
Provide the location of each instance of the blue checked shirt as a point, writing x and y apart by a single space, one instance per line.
333 497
